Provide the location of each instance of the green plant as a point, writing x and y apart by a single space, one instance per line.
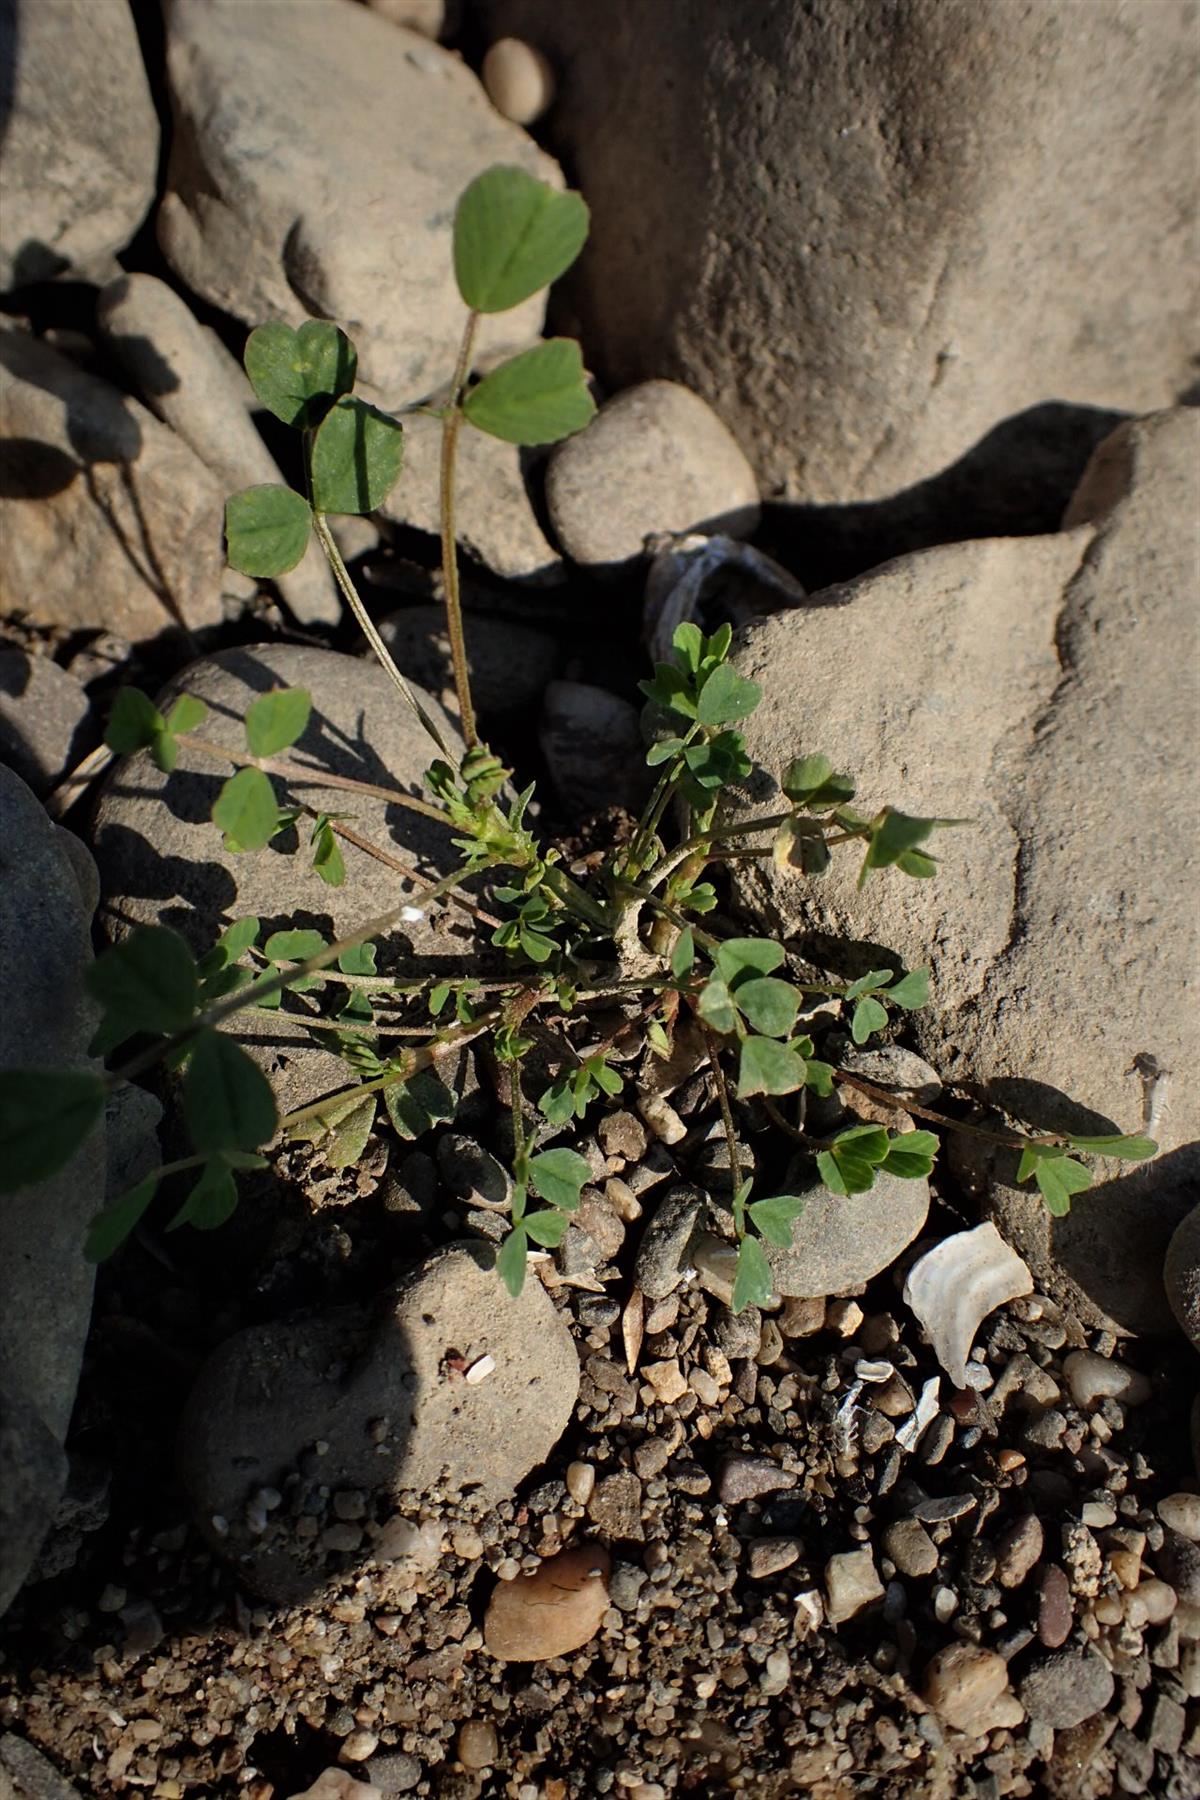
631 932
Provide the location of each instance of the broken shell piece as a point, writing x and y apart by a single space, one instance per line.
874 1371
915 1426
954 1286
709 581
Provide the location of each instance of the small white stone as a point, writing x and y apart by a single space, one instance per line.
1093 1378
479 1371
1182 1513
519 80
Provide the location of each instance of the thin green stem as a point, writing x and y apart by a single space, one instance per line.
451 420
383 654
237 1002
415 1061
577 898
299 774
1008 1139
735 1166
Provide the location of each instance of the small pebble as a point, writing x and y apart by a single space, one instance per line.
1093 1378
1066 1688
749 1477
768 1556
851 1582
1018 1550
581 1480
1182 1513
945 1604
358 1746
478 1744
802 1318
777 1672
667 1379
968 1688
911 1548
555 1610
518 79
1055 1607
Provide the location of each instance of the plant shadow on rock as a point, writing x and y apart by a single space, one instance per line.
1015 482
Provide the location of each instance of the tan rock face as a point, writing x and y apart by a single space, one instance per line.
867 236
656 458
107 517
551 1612
1042 688
317 157
80 138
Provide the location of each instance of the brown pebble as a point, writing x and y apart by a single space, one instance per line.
1055 1607
1018 1550
478 1745
555 1610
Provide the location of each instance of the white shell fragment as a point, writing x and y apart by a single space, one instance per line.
918 1421
954 1286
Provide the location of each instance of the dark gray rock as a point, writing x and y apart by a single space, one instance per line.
1066 1688
30 1775
45 1285
592 742
43 719
509 664
1181 1274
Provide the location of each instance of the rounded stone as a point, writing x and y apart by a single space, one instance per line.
555 1610
964 1685
656 458
478 1745
519 80
1066 1688
271 1392
1181 1274
43 719
840 1241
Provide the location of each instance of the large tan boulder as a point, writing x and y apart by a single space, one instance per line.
1046 689
318 154
868 234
